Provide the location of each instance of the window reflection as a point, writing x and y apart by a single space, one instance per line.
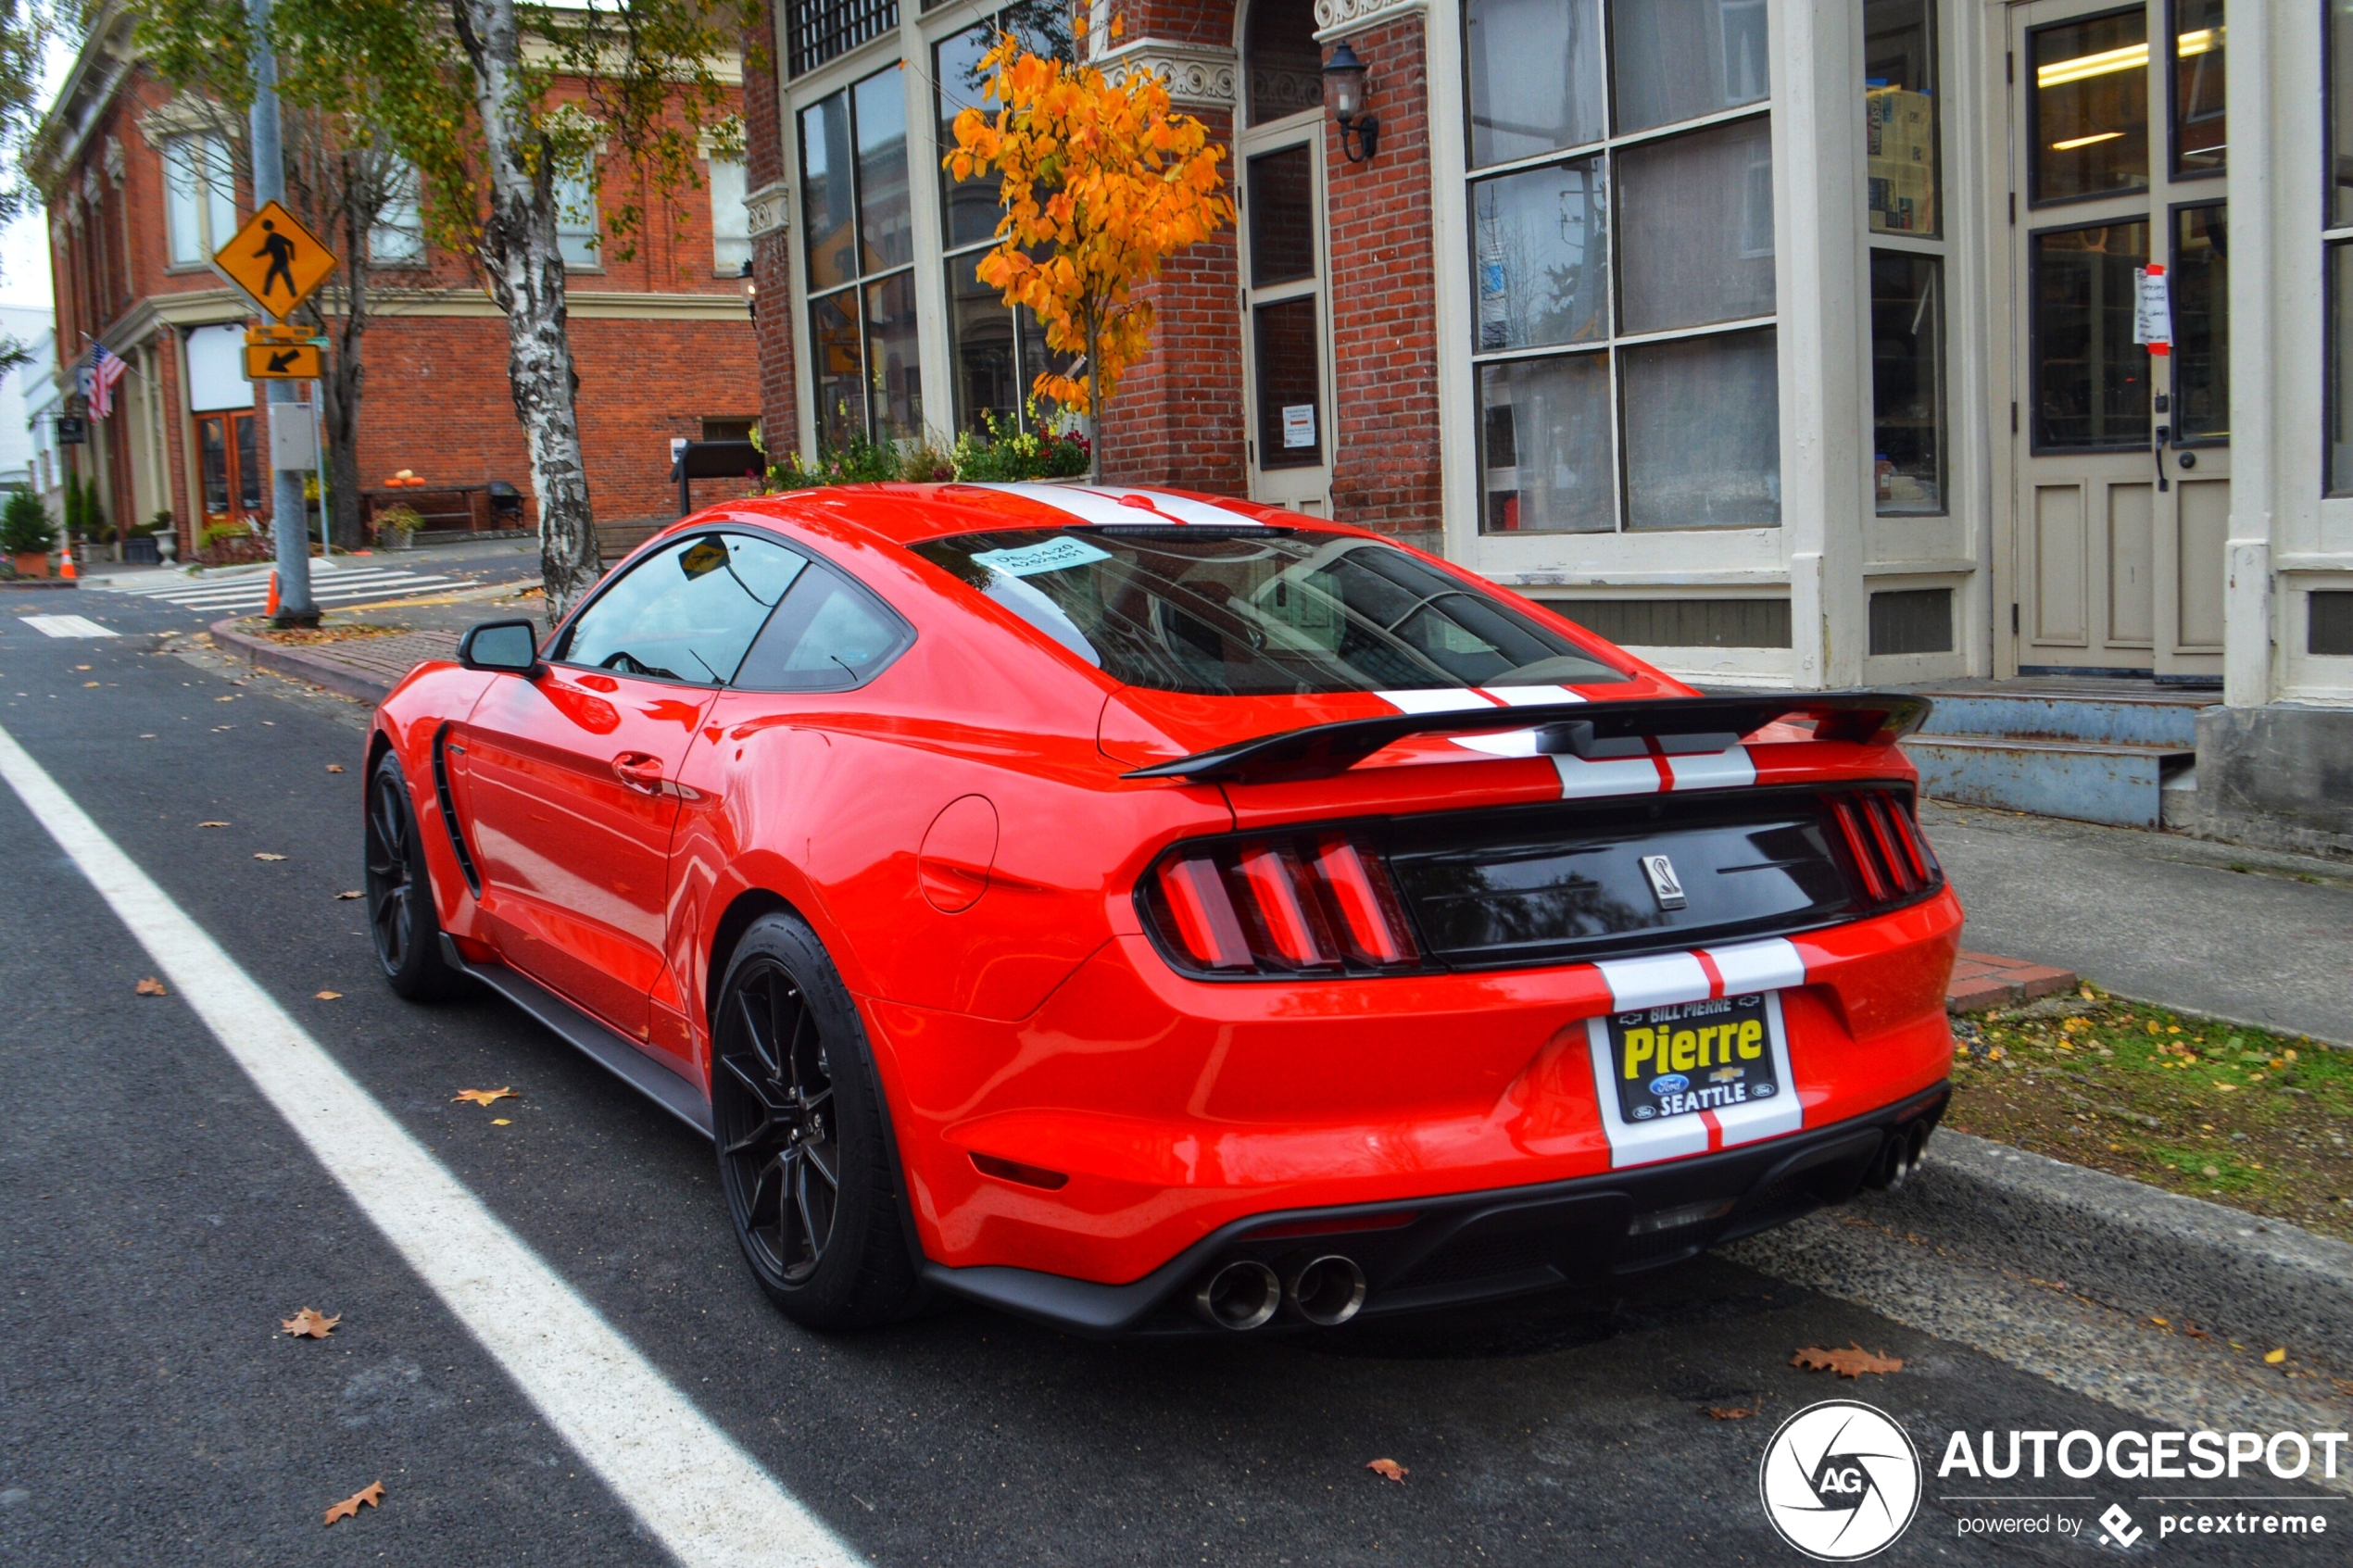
1899 114
2091 379
1907 383
1544 256
2201 324
2198 122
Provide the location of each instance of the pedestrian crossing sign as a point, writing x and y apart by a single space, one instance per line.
275 261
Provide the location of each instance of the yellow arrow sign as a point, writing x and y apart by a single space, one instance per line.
276 261
282 361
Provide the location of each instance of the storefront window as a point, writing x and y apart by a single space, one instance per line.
2090 119
1642 227
1907 383
996 352
2201 324
1899 114
858 246
2200 125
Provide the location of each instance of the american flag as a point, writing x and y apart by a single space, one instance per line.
105 369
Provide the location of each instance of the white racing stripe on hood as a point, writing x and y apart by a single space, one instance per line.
1184 508
1103 508
1439 699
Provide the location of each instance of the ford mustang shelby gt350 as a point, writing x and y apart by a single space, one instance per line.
1152 914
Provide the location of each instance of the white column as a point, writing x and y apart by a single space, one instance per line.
2258 357
1821 282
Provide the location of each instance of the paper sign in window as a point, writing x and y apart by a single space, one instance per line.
1299 424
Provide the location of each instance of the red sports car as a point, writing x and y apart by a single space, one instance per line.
1154 913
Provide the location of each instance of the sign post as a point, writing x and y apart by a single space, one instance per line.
277 263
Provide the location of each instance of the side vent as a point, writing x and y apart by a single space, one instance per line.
449 810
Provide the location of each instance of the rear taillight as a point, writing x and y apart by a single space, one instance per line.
1884 843
1307 904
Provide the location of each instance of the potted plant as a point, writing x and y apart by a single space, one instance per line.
26 534
397 527
167 537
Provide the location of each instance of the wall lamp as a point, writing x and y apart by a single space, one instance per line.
1345 95
751 292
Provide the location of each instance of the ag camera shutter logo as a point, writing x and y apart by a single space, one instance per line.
1839 1481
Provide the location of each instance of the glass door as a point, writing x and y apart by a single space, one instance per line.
229 467
1282 259
2122 502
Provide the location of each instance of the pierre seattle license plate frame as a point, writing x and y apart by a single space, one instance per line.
1666 1110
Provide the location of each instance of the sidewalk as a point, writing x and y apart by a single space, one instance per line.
2245 934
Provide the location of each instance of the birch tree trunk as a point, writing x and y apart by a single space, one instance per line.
526 272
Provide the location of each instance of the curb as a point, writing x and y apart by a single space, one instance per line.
300 665
2264 1283
40 582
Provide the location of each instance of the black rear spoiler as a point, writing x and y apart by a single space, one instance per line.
1573 729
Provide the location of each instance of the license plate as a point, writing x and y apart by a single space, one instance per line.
1680 1060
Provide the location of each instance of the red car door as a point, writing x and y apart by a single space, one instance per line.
573 774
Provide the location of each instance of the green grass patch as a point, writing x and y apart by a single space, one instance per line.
2249 1117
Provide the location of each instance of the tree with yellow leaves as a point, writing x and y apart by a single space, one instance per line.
1101 184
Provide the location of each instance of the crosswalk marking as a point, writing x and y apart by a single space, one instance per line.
252 592
65 626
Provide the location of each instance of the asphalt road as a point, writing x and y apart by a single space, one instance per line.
159 1219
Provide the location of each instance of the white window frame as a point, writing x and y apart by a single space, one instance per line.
196 171
582 247
730 219
397 236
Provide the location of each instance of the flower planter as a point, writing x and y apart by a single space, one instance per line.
396 539
32 563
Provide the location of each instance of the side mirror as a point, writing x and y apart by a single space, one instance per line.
507 647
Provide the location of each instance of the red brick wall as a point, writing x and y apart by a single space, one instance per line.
771 253
1175 417
1384 298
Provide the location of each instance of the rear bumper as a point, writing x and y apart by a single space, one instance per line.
1479 1246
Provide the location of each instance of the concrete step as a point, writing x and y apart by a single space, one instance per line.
2119 784
2121 718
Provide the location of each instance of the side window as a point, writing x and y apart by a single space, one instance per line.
688 611
828 636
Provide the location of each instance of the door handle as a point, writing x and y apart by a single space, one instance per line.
639 771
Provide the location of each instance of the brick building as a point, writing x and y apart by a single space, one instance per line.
140 195
1791 342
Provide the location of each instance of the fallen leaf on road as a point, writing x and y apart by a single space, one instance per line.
2274 1357
372 1494
501 1122
212 825
1728 1412
265 855
87 684
2160 1322
309 1323
353 894
82 667
329 996
1389 1468
483 1097
150 987
335 767
1852 1361
224 699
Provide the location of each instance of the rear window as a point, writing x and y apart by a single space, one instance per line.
1265 613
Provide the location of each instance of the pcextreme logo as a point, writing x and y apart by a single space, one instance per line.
1839 1481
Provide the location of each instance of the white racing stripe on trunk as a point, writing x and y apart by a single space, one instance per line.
1714 770
1785 1112
1655 981
1531 697
1636 1143
1771 965
1587 780
687 1482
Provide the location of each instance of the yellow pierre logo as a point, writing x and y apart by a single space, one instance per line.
1681 1050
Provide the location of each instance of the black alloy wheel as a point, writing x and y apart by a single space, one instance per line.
805 1158
780 1145
401 918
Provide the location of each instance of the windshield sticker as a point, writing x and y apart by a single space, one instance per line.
1052 555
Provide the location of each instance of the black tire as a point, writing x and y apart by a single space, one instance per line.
402 923
804 1155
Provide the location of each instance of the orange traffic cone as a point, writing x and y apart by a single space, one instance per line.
65 568
271 609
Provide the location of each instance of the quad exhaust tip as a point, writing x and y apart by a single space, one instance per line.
1239 1296
1900 1157
1329 1291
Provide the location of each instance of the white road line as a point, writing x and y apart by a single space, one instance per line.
687 1481
65 626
